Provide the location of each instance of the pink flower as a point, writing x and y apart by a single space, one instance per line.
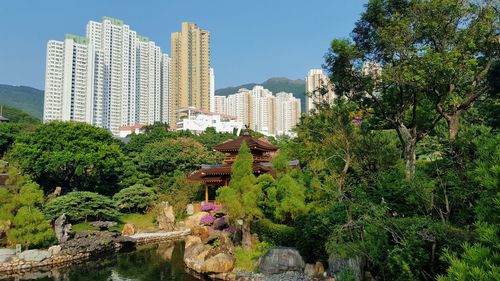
207 219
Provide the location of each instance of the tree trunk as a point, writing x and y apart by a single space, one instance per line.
453 122
409 141
246 238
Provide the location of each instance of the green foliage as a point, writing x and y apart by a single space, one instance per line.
136 198
276 234
246 259
82 206
30 229
178 192
166 156
73 155
242 195
8 133
21 217
480 261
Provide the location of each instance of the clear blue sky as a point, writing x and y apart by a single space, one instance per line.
251 40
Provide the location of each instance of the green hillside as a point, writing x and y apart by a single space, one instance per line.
17 116
27 99
275 85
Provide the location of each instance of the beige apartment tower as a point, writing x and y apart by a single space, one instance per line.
190 70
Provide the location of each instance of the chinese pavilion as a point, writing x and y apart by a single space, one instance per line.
214 176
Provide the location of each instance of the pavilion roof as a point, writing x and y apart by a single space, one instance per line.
253 143
218 173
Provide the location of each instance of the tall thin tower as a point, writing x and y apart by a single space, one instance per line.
190 70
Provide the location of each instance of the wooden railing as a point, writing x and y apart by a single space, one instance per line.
255 159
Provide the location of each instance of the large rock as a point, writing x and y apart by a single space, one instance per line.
6 255
34 255
219 263
338 264
95 242
103 225
129 229
280 260
191 240
54 250
194 220
166 218
62 229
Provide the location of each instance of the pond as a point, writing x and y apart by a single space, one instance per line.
152 262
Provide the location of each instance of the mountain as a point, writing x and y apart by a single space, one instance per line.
27 99
17 116
275 85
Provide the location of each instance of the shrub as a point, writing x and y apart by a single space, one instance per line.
179 192
136 198
30 229
276 234
207 219
82 206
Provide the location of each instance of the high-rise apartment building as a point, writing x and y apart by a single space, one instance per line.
260 110
190 70
165 88
287 112
113 77
318 89
69 80
212 90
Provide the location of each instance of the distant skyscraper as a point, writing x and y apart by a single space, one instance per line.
111 78
190 70
212 90
287 112
261 111
68 80
316 82
165 88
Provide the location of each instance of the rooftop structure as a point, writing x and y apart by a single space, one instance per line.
198 121
214 176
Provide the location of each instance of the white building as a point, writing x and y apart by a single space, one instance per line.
198 121
318 89
287 113
165 88
111 78
68 80
261 111
212 90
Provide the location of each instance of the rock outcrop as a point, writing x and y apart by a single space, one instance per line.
6 255
62 229
204 258
166 218
280 260
95 242
129 229
34 255
338 264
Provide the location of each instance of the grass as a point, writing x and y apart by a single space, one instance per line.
246 260
143 223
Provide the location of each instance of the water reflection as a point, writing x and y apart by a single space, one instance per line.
154 262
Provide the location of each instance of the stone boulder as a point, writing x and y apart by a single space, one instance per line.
166 218
219 263
34 255
103 225
194 220
6 255
280 260
54 250
95 242
129 229
62 229
338 264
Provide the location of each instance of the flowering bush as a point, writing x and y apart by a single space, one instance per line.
211 207
207 219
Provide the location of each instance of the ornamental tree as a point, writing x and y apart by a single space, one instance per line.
242 196
72 155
